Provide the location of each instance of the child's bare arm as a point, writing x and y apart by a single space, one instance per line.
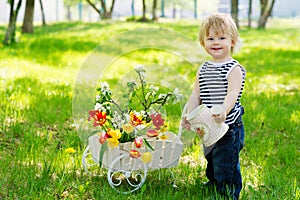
233 90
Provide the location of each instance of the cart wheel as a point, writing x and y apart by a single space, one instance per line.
89 164
126 174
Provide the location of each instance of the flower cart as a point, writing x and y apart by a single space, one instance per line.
132 172
132 138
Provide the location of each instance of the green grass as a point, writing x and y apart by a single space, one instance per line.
38 76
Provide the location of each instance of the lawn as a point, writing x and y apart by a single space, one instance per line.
40 103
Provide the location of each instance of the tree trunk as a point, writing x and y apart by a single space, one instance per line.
132 8
163 8
28 17
112 8
235 11
11 29
104 14
174 10
79 11
144 10
43 13
249 13
69 15
195 9
154 17
94 6
265 12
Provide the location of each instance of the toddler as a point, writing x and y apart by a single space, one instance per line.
220 81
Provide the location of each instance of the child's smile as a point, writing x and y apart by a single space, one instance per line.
218 46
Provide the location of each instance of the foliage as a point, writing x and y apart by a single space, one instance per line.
37 129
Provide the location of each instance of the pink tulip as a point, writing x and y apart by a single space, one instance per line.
152 133
138 142
102 138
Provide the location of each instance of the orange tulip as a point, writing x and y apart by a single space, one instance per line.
134 154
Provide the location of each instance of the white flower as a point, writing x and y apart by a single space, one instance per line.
97 97
162 96
105 88
143 113
118 121
139 68
104 85
99 106
140 127
141 71
127 117
153 88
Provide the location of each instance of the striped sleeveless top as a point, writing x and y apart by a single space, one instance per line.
213 82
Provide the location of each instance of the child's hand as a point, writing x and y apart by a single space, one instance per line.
186 124
218 113
219 118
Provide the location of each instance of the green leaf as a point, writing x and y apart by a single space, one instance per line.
102 151
148 144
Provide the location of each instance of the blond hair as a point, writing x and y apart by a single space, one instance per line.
223 24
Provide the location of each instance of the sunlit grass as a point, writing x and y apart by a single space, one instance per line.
37 130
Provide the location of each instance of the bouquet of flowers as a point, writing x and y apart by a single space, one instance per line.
137 121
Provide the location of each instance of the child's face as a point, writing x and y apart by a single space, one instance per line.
218 45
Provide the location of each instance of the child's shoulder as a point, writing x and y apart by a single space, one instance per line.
228 67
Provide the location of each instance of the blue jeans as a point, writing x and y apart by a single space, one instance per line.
223 166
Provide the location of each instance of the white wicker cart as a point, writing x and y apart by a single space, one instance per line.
126 174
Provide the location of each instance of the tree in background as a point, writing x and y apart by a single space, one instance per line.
132 8
177 5
103 12
144 11
154 17
195 9
43 13
249 13
266 7
27 26
180 6
10 35
235 11
69 4
163 8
